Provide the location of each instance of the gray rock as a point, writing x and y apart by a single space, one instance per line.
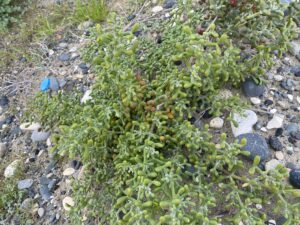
45 192
275 143
54 85
295 178
251 89
39 136
258 125
169 4
64 57
295 46
3 149
296 135
290 128
296 71
245 122
11 169
27 204
24 184
4 101
256 145
272 164
287 84
41 212
50 166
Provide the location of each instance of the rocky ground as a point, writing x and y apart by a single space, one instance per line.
270 124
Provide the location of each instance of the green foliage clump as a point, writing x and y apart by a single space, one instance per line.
145 162
7 13
95 10
10 197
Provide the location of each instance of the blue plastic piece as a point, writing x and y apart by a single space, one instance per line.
45 85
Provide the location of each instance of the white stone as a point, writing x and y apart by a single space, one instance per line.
278 77
263 129
295 48
30 126
3 149
279 155
225 94
157 9
245 122
11 169
41 212
86 97
272 164
273 111
290 97
271 222
298 99
283 104
68 171
275 122
255 101
51 52
85 25
48 142
68 203
216 123
258 206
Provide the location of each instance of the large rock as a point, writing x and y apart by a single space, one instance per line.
11 169
245 122
256 145
275 122
295 178
251 89
24 184
39 136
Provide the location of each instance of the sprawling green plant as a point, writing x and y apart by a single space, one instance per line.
7 13
145 161
95 10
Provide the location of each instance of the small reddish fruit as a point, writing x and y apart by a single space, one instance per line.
200 30
233 3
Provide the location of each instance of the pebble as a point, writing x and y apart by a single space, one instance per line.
268 102
290 97
295 178
290 128
24 184
69 171
278 132
26 204
287 84
245 122
295 48
216 123
63 45
258 206
41 212
256 145
298 99
157 9
45 192
255 101
68 203
271 222
296 135
85 25
290 150
273 111
272 164
296 71
3 149
169 4
258 125
278 77
225 94
283 104
4 101
276 122
251 89
76 164
39 136
279 155
86 97
64 57
275 143
54 84
30 126
11 169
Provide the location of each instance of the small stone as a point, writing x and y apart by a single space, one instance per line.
290 97
298 99
216 123
283 104
268 102
271 222
169 4
296 71
279 155
39 136
63 45
290 150
263 129
45 192
54 84
26 204
157 9
255 101
64 57
273 111
3 149
30 126
258 206
287 84
11 169
251 89
296 135
4 101
256 145
75 164
272 164
276 122
290 128
24 184
86 97
278 77
69 171
295 48
245 122
278 132
225 94
295 178
85 25
41 212
258 125
275 143
68 203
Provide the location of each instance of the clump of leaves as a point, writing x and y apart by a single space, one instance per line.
8 12
145 161
95 10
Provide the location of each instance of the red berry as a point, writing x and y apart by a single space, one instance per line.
200 30
233 3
